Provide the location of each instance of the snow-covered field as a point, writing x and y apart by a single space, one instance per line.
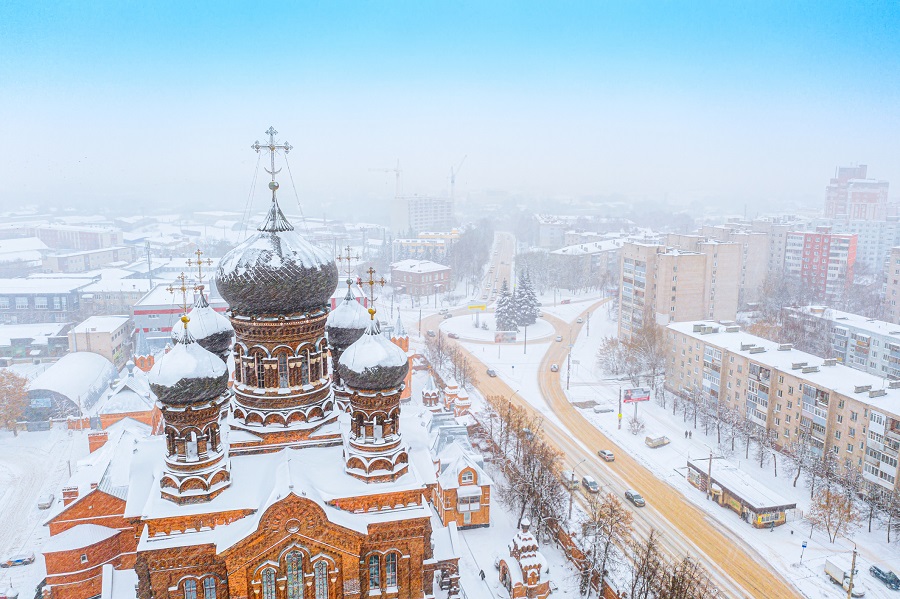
782 547
31 465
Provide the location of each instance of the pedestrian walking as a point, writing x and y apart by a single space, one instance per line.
685 434
690 434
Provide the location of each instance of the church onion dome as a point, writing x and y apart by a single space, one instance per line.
347 322
373 363
209 328
276 271
188 374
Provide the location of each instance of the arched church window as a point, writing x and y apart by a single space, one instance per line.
390 569
213 438
239 367
190 448
170 442
282 371
295 575
209 588
378 427
268 583
190 589
321 571
260 372
374 572
304 368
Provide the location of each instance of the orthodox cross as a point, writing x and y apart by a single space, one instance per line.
348 258
184 302
272 147
371 283
199 262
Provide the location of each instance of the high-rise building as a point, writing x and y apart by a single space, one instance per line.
660 284
850 195
414 214
754 248
892 287
823 261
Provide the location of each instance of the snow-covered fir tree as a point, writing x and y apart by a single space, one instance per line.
505 313
526 303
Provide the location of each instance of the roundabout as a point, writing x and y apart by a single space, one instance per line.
464 326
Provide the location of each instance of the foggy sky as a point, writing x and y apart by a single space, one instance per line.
159 102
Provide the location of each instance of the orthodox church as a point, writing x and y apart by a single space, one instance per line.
293 478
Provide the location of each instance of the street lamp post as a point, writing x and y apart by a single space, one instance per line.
572 491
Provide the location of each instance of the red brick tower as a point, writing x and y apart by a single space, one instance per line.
400 338
345 325
373 370
191 386
278 288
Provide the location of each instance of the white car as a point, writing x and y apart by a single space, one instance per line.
554 368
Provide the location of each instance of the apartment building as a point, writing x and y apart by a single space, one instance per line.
874 238
108 336
86 260
777 242
597 261
24 301
661 284
421 213
795 395
892 287
823 261
851 195
856 341
753 250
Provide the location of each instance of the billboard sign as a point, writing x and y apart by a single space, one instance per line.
635 395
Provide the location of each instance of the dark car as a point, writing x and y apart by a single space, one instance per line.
21 559
491 372
453 335
886 576
635 498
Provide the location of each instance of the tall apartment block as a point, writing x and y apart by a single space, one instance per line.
875 238
754 256
822 260
421 213
850 195
662 284
797 396
892 288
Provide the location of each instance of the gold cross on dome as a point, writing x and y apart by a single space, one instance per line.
199 262
184 302
371 283
347 257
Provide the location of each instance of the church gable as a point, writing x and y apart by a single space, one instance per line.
95 507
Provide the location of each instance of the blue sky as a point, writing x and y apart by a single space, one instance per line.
729 102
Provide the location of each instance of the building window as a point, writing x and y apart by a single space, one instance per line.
295 575
468 477
209 588
21 303
390 569
321 571
84 558
374 572
268 584
40 303
260 372
282 371
190 589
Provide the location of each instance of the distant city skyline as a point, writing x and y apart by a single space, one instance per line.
115 104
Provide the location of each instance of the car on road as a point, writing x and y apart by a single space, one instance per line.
491 372
554 368
565 301
590 484
580 320
558 338
431 333
607 455
453 335
448 315
635 498
887 577
20 559
444 310
45 501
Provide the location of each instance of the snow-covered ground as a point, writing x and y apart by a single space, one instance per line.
782 547
31 465
464 326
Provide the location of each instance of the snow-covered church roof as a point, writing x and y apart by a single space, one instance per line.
373 362
347 322
130 394
188 373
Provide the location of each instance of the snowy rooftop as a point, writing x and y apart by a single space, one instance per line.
78 537
22 244
758 496
840 318
38 332
28 286
76 375
593 247
101 324
840 378
418 266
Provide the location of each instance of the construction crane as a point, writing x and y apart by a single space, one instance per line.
453 173
396 170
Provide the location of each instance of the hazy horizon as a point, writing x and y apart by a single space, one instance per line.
752 103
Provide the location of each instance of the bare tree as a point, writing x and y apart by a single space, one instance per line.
764 443
636 425
650 347
611 355
647 566
686 579
799 456
833 512
13 399
606 527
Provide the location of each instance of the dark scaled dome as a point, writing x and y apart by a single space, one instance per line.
373 363
209 328
188 374
276 271
347 322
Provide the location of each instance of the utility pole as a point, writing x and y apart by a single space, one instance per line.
149 265
620 406
852 572
709 476
571 491
525 351
568 367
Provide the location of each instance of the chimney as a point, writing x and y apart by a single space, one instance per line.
69 495
97 440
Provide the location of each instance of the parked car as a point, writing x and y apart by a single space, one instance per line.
431 333
565 301
453 335
20 559
448 315
887 577
491 372
444 310
554 368
558 338
635 498
590 484
603 408
607 455
580 320
46 501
